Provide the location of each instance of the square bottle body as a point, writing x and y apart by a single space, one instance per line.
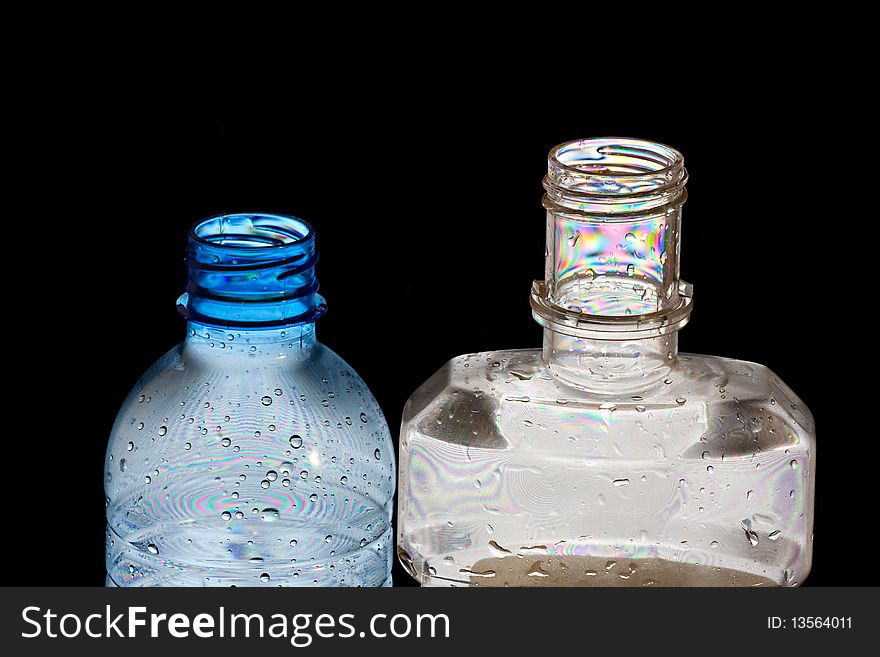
511 477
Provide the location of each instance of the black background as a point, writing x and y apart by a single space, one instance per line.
422 175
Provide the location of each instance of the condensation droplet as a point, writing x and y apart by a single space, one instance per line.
269 515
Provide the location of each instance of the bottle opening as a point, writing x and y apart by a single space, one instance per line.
251 231
252 270
613 167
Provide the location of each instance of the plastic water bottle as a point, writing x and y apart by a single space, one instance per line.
250 454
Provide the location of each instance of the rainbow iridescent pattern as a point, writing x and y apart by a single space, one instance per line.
609 268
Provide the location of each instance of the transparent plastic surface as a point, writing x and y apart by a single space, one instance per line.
250 456
606 458
511 477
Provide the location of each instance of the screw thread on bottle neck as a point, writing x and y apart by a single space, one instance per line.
251 271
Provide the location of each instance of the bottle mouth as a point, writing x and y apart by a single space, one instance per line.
614 175
251 231
252 270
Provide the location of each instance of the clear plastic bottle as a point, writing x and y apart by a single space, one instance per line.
250 454
607 458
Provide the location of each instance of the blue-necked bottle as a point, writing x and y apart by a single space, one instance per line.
250 454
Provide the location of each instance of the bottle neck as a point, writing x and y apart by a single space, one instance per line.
265 344
612 300
251 272
606 366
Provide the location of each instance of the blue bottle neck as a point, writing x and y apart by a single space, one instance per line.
251 272
288 342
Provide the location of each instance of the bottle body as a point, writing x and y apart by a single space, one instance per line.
512 477
269 466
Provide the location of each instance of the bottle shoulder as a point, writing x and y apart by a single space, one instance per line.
187 392
483 396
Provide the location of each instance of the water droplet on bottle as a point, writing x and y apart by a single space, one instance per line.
328 538
129 446
226 515
774 535
271 475
226 442
499 551
620 482
363 542
794 464
265 577
187 446
152 549
630 270
680 400
713 544
264 484
377 454
123 466
269 515
363 417
296 441
534 571
266 400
